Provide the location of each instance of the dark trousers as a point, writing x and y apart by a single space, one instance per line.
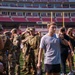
64 55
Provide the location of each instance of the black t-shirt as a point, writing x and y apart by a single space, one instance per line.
66 37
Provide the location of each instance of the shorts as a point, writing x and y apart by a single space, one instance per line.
52 68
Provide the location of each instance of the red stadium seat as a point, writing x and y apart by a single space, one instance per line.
5 19
61 19
47 19
19 19
67 20
73 19
33 19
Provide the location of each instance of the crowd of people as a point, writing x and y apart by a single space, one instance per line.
55 48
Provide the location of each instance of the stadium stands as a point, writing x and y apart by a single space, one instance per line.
19 19
5 19
61 19
33 19
36 4
36 13
34 16
73 19
48 19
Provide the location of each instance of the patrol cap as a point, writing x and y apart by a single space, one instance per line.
1 28
69 29
32 29
14 30
28 29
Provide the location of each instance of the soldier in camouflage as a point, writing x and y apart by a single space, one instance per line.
33 45
25 36
16 42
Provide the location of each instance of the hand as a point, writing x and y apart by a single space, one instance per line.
38 65
61 36
72 53
24 32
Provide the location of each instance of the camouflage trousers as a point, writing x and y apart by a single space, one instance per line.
31 65
11 64
17 56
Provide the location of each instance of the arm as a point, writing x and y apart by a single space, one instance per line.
23 41
1 44
70 45
64 41
39 58
42 46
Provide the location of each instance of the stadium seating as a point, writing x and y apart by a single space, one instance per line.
47 19
19 19
61 19
33 19
5 19
35 6
73 19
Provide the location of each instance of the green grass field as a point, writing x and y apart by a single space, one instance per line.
21 64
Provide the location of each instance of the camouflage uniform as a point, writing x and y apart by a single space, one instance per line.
1 53
25 49
10 55
8 47
16 43
33 42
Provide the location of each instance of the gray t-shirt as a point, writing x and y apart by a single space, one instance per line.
51 46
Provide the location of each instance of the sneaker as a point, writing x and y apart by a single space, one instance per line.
73 71
70 73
